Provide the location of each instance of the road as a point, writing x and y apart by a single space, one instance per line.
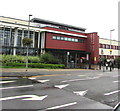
72 89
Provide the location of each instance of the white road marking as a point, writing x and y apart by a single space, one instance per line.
89 78
61 86
36 98
68 74
100 74
80 93
64 105
32 78
28 97
2 82
81 75
17 87
116 81
116 76
42 81
106 94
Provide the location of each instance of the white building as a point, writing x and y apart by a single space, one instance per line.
104 48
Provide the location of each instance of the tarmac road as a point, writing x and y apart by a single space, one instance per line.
59 89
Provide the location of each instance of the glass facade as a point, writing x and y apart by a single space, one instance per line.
11 39
1 35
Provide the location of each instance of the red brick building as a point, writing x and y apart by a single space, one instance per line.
65 40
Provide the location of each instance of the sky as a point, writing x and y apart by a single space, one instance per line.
95 15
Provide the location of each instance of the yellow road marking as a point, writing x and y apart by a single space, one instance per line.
4 77
46 75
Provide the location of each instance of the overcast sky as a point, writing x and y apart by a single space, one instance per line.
95 15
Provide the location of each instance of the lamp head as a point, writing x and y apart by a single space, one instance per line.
30 15
112 30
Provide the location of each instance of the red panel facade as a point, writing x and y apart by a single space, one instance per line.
60 44
62 30
93 47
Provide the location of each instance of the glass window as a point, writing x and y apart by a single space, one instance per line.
73 40
66 39
62 38
12 38
54 37
83 41
76 40
1 35
69 39
104 45
19 38
6 36
58 37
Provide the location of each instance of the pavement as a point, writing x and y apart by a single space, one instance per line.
21 72
14 72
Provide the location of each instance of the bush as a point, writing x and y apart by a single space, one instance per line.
48 58
18 59
35 65
117 60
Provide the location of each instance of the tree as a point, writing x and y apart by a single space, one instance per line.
27 42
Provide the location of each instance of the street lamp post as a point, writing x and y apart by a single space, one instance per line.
111 48
27 45
111 36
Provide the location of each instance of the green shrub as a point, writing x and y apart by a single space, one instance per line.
18 59
33 59
117 60
48 58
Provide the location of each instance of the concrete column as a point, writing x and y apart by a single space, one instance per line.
15 40
39 40
22 37
33 37
43 43
3 35
10 36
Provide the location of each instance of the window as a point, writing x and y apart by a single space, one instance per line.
54 37
6 36
58 37
19 38
107 46
73 40
76 40
62 38
68 39
100 45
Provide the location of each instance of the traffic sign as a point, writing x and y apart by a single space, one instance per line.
110 51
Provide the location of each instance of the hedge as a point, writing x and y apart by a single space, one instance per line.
18 59
35 65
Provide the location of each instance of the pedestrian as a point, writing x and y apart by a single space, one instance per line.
118 65
106 65
110 64
100 63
